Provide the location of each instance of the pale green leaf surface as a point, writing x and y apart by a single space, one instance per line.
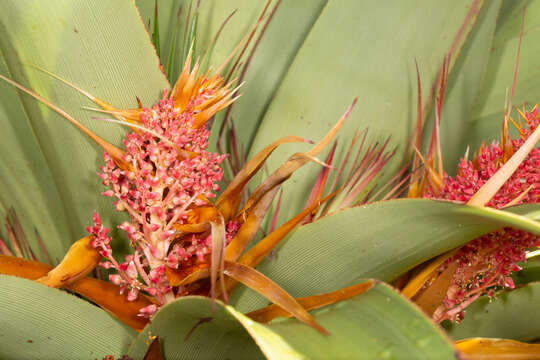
463 85
377 324
273 56
103 48
487 114
39 322
530 210
27 184
381 240
509 315
167 11
356 49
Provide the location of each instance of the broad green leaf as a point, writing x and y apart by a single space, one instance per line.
464 82
381 240
103 48
509 315
40 322
377 324
487 114
357 49
530 272
188 329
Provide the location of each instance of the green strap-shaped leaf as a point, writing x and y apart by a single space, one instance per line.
27 183
39 322
358 49
463 84
377 324
382 240
285 33
103 48
509 315
281 41
487 114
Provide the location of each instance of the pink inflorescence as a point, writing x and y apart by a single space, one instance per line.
488 261
170 172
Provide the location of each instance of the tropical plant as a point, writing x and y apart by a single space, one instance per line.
221 222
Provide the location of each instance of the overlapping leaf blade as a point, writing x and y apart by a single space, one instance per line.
188 328
377 323
487 114
381 240
463 85
41 322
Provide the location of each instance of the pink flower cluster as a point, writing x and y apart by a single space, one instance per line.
487 262
170 173
127 271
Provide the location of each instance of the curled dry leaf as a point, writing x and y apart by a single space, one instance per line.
428 272
230 199
294 163
80 259
269 289
271 312
250 226
255 255
429 298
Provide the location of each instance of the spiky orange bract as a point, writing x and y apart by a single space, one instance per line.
170 177
487 262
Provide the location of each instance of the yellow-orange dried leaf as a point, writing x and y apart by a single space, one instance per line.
497 349
15 266
249 227
273 292
271 312
427 273
80 259
230 199
187 275
254 256
431 297
294 162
